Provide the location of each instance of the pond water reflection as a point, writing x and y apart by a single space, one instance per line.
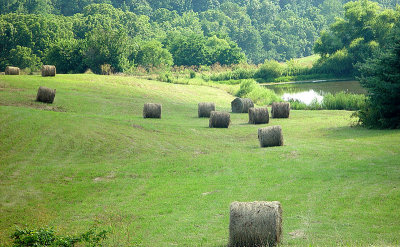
306 92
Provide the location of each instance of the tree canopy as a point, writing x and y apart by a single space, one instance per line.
192 32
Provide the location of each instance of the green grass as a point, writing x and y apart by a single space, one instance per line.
90 159
308 61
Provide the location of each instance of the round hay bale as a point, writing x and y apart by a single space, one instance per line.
46 95
10 70
219 119
240 105
255 223
258 115
49 70
270 136
152 110
205 109
280 110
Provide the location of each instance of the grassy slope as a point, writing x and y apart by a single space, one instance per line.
91 159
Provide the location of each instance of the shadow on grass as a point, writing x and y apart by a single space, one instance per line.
347 132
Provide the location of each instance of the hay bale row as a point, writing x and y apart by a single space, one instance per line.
48 70
280 110
152 110
10 70
255 224
219 119
270 136
241 105
258 115
46 95
205 109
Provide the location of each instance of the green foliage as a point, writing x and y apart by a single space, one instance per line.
269 70
152 54
236 74
195 32
355 38
380 75
344 101
107 46
196 49
48 237
67 56
338 101
22 57
259 95
338 64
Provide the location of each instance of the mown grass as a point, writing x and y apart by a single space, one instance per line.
90 159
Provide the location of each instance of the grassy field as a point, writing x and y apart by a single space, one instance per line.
90 159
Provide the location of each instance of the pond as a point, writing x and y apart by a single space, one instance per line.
308 91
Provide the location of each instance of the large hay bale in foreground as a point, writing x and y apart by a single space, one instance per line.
280 110
152 110
10 70
45 95
49 70
219 119
241 105
270 136
255 224
205 109
258 115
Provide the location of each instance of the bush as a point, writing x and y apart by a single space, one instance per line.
269 70
380 75
23 57
343 101
258 94
106 69
48 237
339 64
238 74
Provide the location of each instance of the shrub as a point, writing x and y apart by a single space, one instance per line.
258 94
339 101
269 70
343 101
106 69
48 237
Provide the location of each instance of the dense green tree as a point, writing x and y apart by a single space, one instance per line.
381 76
107 46
363 30
153 54
23 57
67 56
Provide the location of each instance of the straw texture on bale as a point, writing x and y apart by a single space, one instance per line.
270 136
205 109
46 95
10 70
258 115
219 119
49 70
152 110
241 105
255 224
280 110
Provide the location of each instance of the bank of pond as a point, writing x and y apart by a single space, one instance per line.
321 94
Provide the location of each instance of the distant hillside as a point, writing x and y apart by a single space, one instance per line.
262 29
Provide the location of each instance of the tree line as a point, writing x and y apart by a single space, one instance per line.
82 34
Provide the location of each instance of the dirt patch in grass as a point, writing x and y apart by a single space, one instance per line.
35 105
105 179
297 234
